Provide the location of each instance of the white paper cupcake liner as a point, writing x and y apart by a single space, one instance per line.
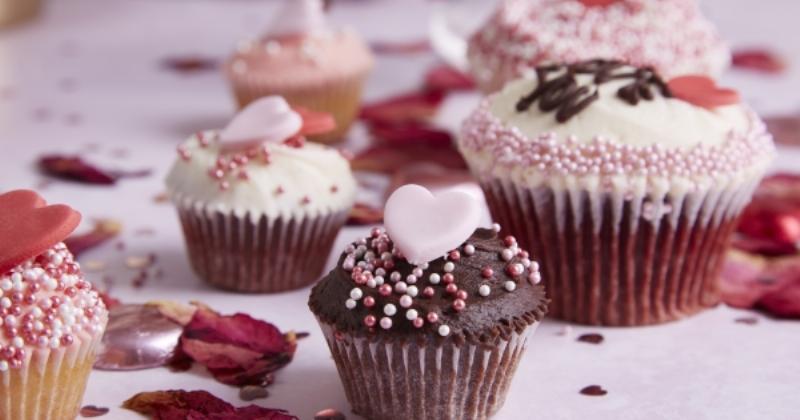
390 379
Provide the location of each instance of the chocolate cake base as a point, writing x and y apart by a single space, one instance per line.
612 261
258 255
394 379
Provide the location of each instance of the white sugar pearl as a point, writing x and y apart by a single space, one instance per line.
348 264
411 279
395 276
406 301
5 302
449 267
526 263
42 341
6 284
496 227
400 287
444 330
434 278
372 283
507 254
11 321
510 285
535 277
350 304
356 293
412 314
18 342
412 291
417 272
389 309
16 277
3 366
380 272
469 249
484 290
386 323
379 280
54 342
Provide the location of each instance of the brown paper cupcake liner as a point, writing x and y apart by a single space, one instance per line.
258 254
610 261
51 383
340 98
395 379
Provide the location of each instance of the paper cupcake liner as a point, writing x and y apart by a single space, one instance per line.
50 384
340 98
258 254
387 380
607 260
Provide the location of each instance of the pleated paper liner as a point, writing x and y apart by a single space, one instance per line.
50 384
258 254
607 260
340 98
387 379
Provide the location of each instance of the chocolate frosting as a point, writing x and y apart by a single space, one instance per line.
567 97
482 320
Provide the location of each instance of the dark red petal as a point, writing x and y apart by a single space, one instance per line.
410 132
785 129
407 47
364 214
444 78
773 216
414 106
315 122
390 158
785 302
189 64
181 405
104 230
89 411
759 59
75 169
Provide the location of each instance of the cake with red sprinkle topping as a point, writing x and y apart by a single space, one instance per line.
51 318
671 35
260 207
452 329
625 185
308 62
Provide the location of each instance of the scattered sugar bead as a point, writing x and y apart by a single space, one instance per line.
535 277
418 322
3 366
496 227
406 301
484 290
444 330
369 301
448 278
411 279
417 272
395 276
461 294
515 269
412 291
459 305
386 323
434 278
350 304
454 255
428 291
369 320
449 267
412 314
385 290
373 282
469 249
432 317
356 293
487 272
509 240
510 285
534 266
389 309
451 288
400 287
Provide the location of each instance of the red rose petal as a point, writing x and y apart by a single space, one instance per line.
758 59
190 64
364 214
315 122
89 411
74 168
415 106
200 405
702 91
768 283
772 219
784 302
29 227
443 78
784 129
390 158
104 230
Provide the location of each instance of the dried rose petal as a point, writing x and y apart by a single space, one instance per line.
161 198
315 122
759 59
768 283
445 78
109 301
415 106
739 285
594 391
329 414
237 349
784 302
200 405
190 64
73 168
431 176
364 214
785 129
253 392
749 320
774 213
104 230
93 411
391 158
406 47
591 338
410 132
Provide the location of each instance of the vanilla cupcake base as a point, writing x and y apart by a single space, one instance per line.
608 259
258 254
396 379
50 384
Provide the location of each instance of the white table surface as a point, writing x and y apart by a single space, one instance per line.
707 367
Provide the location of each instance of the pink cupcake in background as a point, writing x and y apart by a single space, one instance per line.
307 62
671 35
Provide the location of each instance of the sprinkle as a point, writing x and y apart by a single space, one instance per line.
469 249
412 291
487 272
395 276
484 290
406 301
461 294
428 291
400 287
451 288
510 285
459 305
496 227
369 320
385 290
449 267
510 241
417 272
507 254
350 304
356 293
386 323
369 301
411 279
412 314
432 317
454 255
444 330
389 309
418 322
534 277
434 278
515 269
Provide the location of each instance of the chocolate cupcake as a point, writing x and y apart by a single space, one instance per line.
427 320
260 207
625 186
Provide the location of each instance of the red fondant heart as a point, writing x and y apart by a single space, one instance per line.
702 91
598 3
315 122
29 227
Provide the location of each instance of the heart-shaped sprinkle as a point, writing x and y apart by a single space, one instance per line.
702 91
425 227
598 3
29 227
315 122
268 119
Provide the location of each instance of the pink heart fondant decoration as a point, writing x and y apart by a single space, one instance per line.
425 227
268 119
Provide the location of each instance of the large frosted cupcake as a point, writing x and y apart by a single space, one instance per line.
307 62
429 318
51 318
625 187
671 35
260 207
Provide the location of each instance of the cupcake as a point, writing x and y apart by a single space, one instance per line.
260 207
52 319
670 35
625 186
304 60
429 318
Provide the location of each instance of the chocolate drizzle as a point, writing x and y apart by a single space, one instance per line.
567 98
